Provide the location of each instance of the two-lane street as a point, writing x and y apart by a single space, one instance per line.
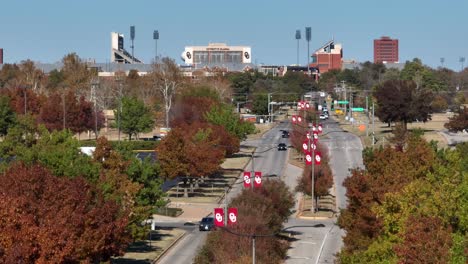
311 244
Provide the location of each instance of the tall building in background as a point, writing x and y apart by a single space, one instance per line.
1 56
386 50
328 57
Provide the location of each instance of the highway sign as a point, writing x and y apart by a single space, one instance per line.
343 102
358 109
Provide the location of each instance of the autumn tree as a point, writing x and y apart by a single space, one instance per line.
76 74
323 177
46 219
117 186
24 101
425 241
202 105
459 121
387 171
403 101
190 151
263 212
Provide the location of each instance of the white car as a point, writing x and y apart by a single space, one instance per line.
323 117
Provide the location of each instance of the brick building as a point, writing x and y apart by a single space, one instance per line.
386 50
328 57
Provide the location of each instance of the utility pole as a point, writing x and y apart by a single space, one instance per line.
312 146
367 112
94 84
345 98
373 125
308 38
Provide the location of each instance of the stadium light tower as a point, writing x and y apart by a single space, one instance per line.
132 37
298 37
442 60
156 37
462 62
308 33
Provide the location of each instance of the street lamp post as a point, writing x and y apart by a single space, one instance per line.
119 114
156 37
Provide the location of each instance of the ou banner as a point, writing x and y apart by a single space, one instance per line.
232 216
294 119
219 217
315 137
247 181
308 158
258 179
305 146
318 158
320 129
299 119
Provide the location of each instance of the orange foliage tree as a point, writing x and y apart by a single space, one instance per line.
46 219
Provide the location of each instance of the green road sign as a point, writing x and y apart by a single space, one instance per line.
343 102
358 109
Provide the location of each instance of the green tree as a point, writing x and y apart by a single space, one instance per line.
223 115
7 116
260 104
135 117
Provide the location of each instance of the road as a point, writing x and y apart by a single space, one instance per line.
267 159
313 244
320 244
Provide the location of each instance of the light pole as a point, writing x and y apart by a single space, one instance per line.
298 37
308 38
119 114
156 37
94 84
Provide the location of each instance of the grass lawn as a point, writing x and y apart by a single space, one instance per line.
383 133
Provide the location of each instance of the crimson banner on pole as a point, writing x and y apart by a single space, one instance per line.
318 158
320 129
219 217
294 119
299 119
305 146
247 181
232 216
258 179
308 158
315 136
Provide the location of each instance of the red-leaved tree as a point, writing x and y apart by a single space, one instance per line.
46 219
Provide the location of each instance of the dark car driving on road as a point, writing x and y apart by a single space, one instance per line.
206 224
282 146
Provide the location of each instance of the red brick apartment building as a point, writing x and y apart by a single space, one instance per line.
386 50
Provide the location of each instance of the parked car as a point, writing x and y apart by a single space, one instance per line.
282 146
323 117
206 224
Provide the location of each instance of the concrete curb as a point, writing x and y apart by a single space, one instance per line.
154 261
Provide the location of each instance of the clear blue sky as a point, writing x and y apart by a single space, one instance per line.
46 30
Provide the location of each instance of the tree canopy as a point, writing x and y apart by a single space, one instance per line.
46 219
135 117
402 101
